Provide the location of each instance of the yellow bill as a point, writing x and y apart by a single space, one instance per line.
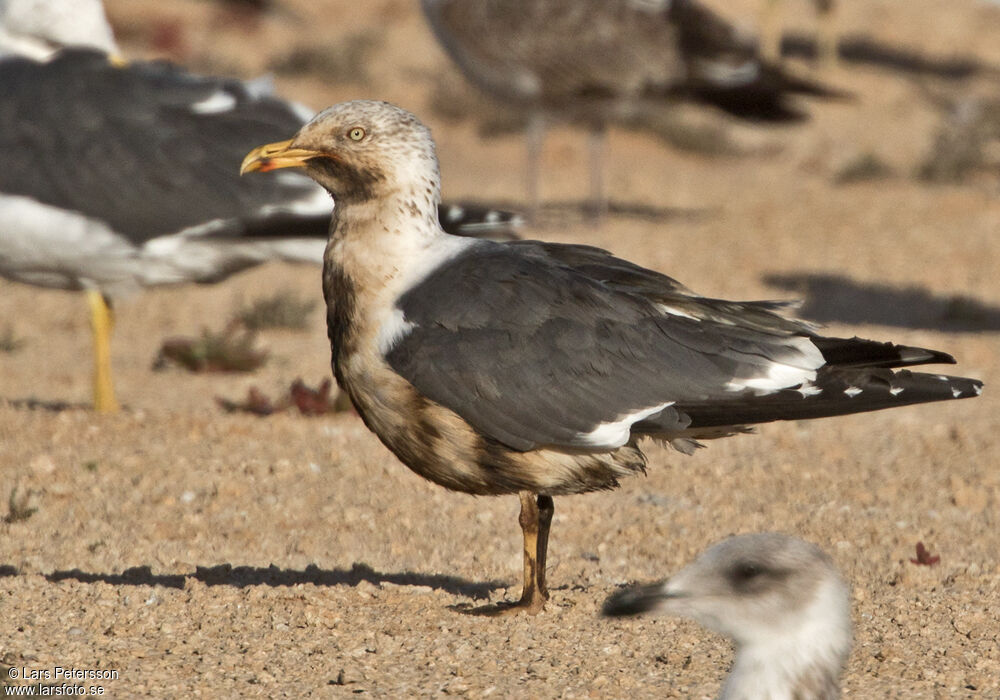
272 156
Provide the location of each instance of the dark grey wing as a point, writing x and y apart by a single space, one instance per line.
672 296
147 148
533 351
546 344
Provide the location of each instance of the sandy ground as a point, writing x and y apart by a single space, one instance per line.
201 553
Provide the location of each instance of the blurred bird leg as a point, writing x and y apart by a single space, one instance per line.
598 200
534 140
770 31
826 38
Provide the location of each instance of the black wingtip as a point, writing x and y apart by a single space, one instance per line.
858 352
841 392
768 98
789 82
633 601
922 356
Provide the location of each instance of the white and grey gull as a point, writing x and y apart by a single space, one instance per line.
780 599
598 62
535 368
121 175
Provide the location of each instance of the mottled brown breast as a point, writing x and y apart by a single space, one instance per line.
434 441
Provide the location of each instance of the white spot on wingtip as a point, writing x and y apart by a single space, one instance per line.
809 389
455 212
852 391
218 101
729 75
956 392
896 390
492 217
653 6
978 388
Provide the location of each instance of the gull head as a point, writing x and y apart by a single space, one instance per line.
763 589
780 600
360 151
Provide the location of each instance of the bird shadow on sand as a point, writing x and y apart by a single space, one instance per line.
33 404
502 608
863 50
499 609
830 298
273 576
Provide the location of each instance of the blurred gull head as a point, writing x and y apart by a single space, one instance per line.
780 599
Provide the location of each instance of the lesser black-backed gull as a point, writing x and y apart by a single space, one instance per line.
781 601
535 368
118 176
593 62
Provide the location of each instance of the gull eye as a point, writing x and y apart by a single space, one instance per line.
745 572
356 134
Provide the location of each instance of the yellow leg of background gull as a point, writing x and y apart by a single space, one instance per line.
101 322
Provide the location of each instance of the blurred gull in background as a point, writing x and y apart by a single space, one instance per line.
594 62
120 175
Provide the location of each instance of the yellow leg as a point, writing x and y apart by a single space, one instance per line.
535 523
770 31
101 322
535 520
598 204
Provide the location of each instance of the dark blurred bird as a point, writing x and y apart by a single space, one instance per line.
826 35
535 368
592 62
118 176
782 602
